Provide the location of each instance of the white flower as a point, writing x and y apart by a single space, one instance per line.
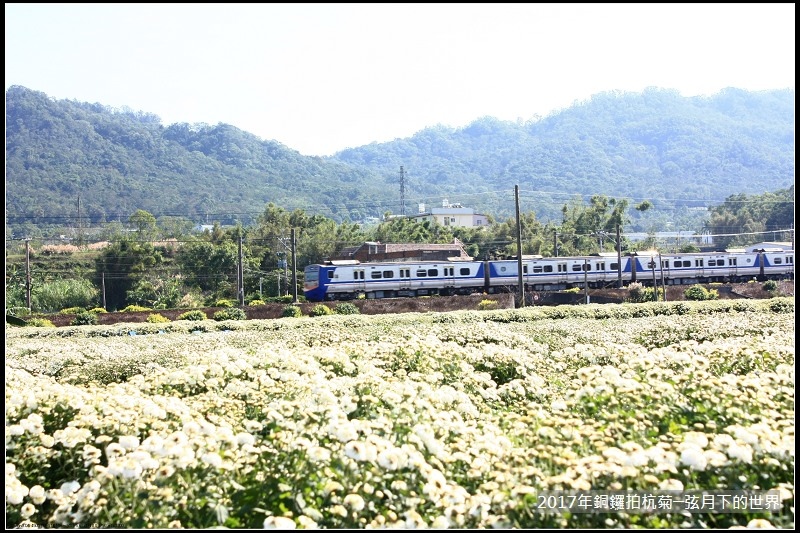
70 487
694 458
27 510
354 502
279 522
37 494
212 459
129 442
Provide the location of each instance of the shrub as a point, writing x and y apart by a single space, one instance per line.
194 314
770 285
71 311
84 318
135 309
346 308
699 293
292 311
257 302
487 304
40 323
233 313
156 318
98 310
321 310
638 293
223 303
65 293
573 290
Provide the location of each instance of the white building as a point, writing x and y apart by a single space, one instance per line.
452 215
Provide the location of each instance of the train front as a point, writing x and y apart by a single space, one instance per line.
314 287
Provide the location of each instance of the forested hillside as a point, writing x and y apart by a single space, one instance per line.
75 163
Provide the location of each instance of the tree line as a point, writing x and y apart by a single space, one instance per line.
162 263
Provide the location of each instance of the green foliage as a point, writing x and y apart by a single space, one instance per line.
699 293
71 310
638 293
40 323
121 265
224 303
194 314
487 304
232 313
135 309
770 286
292 311
573 290
257 302
346 308
157 318
84 318
58 294
321 310
98 310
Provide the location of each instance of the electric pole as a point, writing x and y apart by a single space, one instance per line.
294 268
521 302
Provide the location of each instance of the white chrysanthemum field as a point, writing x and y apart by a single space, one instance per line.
439 420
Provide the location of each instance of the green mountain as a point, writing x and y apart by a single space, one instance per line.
71 162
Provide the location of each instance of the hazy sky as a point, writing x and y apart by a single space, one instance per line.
320 78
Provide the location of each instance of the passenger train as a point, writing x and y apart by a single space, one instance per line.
345 280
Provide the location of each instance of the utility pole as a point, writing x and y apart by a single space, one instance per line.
555 241
586 279
619 259
240 274
294 268
652 265
28 273
103 286
663 286
521 302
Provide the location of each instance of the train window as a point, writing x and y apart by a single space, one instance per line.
358 274
388 274
665 264
698 262
562 267
405 273
422 273
732 261
548 268
777 261
687 264
614 266
375 274
464 271
524 269
580 268
711 262
432 272
576 267
449 271
330 274
600 266
537 270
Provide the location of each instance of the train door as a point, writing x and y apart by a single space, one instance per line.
359 280
562 270
404 284
449 279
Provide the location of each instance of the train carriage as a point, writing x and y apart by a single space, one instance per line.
344 280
